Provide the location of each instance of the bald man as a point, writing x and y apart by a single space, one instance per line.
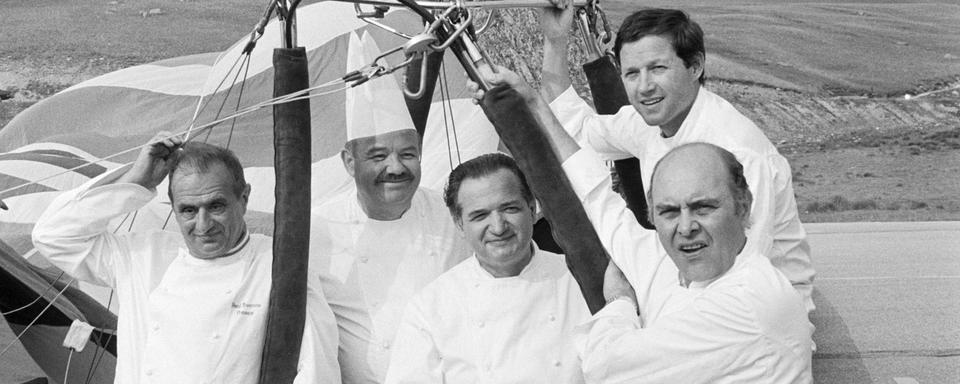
712 308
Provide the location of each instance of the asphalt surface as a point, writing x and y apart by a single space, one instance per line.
888 302
887 296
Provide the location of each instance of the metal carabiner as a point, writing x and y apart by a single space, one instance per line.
378 13
464 24
588 19
423 81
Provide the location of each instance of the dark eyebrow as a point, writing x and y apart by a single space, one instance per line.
664 206
477 211
375 149
704 202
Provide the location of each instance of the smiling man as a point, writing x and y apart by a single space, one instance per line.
380 242
193 306
505 315
662 62
711 306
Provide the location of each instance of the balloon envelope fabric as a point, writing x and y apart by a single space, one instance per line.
97 125
96 119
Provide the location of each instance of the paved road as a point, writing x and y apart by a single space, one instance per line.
888 297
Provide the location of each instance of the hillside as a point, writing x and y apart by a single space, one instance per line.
827 80
836 117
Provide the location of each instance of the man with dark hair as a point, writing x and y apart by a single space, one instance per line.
662 63
505 315
193 306
712 308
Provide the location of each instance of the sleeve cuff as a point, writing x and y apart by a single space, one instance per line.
568 96
586 171
622 306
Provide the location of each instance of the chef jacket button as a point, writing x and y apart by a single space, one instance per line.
156 327
363 259
386 345
477 285
433 254
216 336
481 324
149 372
556 363
553 318
229 291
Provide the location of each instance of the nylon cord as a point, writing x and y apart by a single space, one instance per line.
25 329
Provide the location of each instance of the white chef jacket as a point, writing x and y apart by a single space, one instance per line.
370 269
774 217
181 319
746 326
471 327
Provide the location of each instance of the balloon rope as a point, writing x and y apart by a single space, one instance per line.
95 363
201 105
243 83
443 106
98 356
20 335
66 372
226 97
448 104
299 95
34 300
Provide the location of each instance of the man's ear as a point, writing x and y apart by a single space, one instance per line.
698 64
349 162
245 196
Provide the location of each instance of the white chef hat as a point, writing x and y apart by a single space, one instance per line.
377 106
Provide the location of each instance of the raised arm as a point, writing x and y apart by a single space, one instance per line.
555 24
72 233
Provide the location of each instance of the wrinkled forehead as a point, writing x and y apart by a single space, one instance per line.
189 184
497 187
693 170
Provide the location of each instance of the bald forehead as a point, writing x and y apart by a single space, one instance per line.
706 157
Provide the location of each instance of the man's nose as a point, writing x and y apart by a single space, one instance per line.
646 83
499 224
688 225
394 165
203 221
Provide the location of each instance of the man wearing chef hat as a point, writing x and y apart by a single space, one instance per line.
377 245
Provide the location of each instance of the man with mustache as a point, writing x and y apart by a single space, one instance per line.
662 61
379 243
192 306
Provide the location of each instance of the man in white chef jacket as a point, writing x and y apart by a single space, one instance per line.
662 62
711 306
193 305
378 244
507 314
